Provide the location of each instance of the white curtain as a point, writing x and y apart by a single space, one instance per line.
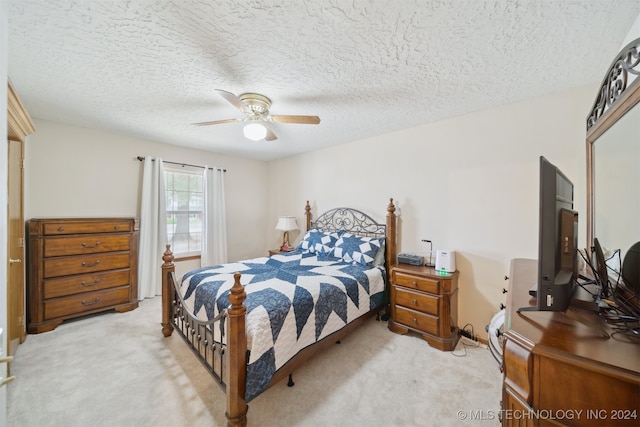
153 229
214 223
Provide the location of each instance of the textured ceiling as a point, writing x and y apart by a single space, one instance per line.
149 68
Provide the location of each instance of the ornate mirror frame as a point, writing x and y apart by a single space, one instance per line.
619 93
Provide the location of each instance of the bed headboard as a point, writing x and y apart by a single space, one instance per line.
351 220
359 223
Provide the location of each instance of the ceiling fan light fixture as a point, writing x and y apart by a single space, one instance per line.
255 131
255 108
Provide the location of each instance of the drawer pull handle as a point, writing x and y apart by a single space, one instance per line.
415 321
95 282
60 228
84 264
84 245
415 284
92 302
415 302
116 227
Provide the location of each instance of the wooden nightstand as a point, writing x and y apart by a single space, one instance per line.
425 301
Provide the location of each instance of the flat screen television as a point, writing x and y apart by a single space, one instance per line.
557 241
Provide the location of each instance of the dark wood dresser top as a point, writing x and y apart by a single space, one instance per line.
576 334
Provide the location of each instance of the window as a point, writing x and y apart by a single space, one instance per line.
184 201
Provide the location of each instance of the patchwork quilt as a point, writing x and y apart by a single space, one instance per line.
293 300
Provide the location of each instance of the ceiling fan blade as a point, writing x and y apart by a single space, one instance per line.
270 135
306 120
217 122
234 100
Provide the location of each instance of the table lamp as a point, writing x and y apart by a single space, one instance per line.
286 224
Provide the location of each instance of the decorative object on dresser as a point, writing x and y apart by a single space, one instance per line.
410 259
425 301
80 266
429 263
446 261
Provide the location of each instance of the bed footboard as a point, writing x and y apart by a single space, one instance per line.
223 354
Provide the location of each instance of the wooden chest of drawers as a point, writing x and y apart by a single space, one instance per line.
80 266
425 301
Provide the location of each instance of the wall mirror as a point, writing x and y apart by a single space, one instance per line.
613 156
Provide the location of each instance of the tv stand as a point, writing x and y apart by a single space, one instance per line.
557 371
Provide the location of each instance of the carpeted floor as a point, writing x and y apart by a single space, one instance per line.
116 369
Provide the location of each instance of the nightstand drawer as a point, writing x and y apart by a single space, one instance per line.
414 282
416 320
416 301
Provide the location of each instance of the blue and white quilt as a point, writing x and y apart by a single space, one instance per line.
293 300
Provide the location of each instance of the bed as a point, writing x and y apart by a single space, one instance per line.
293 305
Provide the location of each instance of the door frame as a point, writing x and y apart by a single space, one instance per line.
19 123
19 126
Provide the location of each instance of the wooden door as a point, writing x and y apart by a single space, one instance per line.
15 249
19 125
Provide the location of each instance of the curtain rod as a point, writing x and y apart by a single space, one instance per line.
141 158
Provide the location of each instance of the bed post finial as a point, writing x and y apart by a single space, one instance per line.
237 354
237 294
307 214
168 257
391 234
168 267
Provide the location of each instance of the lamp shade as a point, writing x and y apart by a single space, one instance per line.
287 223
255 131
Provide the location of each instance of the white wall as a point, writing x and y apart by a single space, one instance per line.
469 183
79 172
633 34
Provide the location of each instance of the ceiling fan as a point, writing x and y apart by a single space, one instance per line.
256 113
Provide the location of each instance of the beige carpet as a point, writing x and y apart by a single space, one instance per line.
116 369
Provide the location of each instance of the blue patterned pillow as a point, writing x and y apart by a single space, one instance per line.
352 248
323 255
316 241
